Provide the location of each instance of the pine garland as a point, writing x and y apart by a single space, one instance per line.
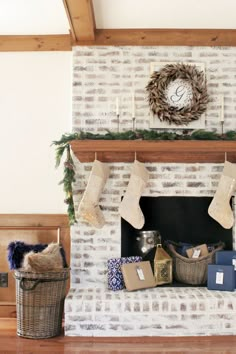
155 135
63 145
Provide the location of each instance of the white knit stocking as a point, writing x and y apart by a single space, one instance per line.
129 207
219 208
89 209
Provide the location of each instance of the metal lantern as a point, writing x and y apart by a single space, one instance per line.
162 266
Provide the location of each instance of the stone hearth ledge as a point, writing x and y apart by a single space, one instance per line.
161 311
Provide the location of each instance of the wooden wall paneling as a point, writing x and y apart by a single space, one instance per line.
30 228
34 220
7 310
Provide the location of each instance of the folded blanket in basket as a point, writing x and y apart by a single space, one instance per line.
18 249
49 260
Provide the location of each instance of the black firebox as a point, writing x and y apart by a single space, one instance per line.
177 219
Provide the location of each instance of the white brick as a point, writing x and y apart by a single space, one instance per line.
100 75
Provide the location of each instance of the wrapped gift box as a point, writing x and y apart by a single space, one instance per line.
138 275
115 277
227 258
198 251
220 277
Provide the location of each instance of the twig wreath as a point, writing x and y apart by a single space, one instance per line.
185 78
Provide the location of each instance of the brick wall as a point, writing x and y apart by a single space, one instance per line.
103 73
100 75
92 247
92 310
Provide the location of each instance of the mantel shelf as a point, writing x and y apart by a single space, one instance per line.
154 151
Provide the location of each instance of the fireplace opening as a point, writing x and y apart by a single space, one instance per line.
179 219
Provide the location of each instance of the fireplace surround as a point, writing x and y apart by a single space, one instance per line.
92 310
101 74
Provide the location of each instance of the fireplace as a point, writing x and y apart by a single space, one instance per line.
177 218
93 310
100 75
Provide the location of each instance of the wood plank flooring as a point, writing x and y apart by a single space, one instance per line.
11 343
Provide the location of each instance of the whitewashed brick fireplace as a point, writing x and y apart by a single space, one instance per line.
101 74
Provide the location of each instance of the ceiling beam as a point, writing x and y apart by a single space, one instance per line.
152 37
165 37
35 43
81 19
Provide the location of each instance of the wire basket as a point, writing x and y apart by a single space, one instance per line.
192 271
40 302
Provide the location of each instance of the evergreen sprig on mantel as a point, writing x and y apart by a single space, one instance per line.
63 145
156 135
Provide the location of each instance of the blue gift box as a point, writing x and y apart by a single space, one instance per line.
220 277
227 258
115 277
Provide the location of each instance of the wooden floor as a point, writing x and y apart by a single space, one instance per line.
11 343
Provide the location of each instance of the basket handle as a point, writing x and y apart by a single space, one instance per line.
36 282
24 287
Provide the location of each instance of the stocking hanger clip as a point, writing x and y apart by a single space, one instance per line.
95 155
225 156
135 156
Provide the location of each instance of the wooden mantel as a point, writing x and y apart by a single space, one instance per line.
154 151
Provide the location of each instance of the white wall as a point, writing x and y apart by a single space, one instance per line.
35 109
165 14
33 17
